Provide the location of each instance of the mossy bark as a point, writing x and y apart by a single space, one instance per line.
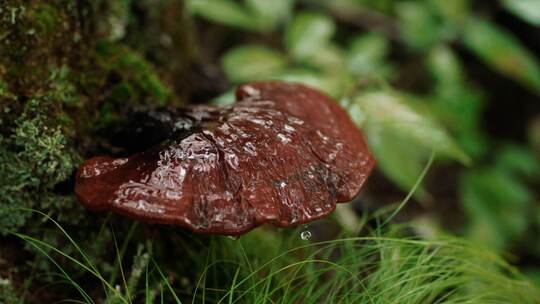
69 71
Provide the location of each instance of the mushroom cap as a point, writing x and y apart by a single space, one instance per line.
283 154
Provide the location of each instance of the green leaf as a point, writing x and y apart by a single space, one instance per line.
418 25
402 168
329 58
534 134
308 33
226 98
528 10
503 52
518 161
396 112
401 136
225 12
270 13
453 12
496 205
455 103
366 56
251 62
334 84
445 67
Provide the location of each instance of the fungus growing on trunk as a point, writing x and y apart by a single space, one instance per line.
282 154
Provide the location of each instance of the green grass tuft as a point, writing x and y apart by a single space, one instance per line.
266 267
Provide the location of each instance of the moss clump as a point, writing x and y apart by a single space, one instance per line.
3 88
34 36
47 19
33 159
7 293
129 72
163 34
62 88
127 81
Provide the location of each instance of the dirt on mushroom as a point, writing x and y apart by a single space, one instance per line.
283 154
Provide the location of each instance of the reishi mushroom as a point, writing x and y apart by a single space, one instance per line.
283 154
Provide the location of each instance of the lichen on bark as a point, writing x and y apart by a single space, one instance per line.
33 159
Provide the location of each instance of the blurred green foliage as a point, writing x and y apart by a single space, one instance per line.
253 15
251 61
502 52
393 124
357 51
528 10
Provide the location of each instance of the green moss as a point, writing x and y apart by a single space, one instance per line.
35 36
108 117
7 293
47 19
172 49
44 145
125 80
62 89
151 83
33 160
137 77
3 88
122 92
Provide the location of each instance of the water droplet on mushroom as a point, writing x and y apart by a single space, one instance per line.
305 235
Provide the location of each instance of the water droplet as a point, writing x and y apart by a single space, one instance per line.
233 237
305 235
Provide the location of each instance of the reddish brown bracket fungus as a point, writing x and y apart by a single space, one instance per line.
283 153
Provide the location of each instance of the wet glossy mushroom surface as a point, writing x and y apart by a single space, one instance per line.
282 154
